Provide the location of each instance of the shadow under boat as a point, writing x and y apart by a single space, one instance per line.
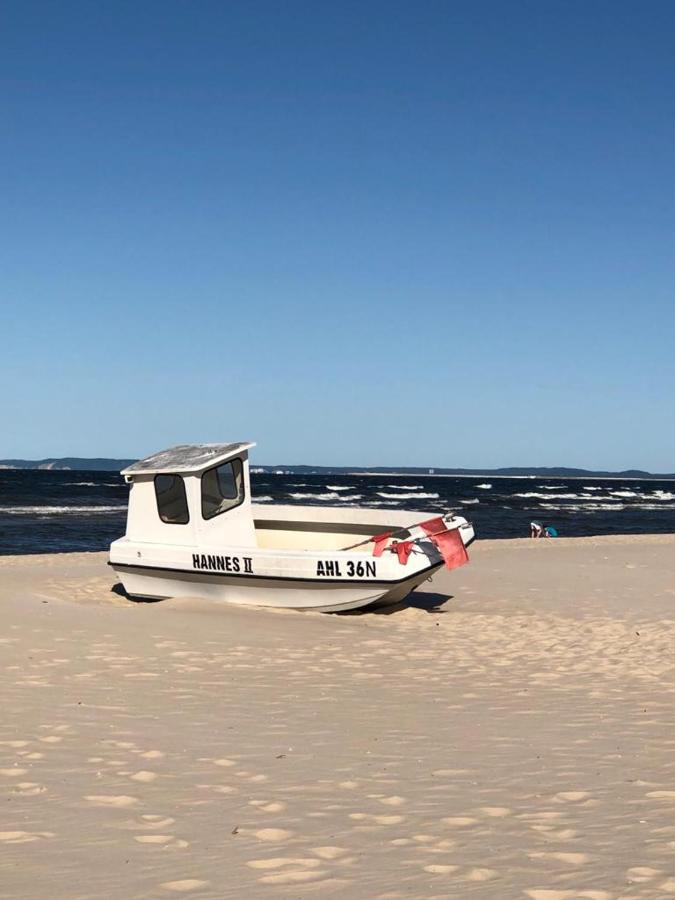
427 601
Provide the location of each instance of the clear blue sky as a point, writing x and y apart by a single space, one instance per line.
360 232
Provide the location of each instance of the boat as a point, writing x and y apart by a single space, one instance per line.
194 530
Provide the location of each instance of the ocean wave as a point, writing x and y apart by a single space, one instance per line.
584 507
331 496
485 487
57 510
340 487
467 502
264 499
420 496
622 494
80 484
536 496
346 497
405 487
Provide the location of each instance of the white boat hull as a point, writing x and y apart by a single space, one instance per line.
289 593
297 563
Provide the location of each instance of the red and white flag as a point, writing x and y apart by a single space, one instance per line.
380 541
451 547
433 526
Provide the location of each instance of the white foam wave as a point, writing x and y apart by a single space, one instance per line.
330 496
405 487
419 496
340 487
622 494
583 507
552 487
467 502
537 496
261 499
485 487
80 484
346 497
57 510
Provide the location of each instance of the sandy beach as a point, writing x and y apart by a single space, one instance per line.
508 735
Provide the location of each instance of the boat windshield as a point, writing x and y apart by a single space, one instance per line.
222 488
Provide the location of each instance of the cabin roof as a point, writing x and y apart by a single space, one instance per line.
186 458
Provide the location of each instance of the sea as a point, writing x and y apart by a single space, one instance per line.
47 511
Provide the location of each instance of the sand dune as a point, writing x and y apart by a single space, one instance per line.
513 739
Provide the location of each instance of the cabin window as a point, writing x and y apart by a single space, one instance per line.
222 488
171 500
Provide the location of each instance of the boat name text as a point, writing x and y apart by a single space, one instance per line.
331 568
223 563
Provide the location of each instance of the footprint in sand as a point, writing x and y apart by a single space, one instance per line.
273 834
329 852
641 874
440 869
459 821
166 841
277 862
117 801
572 859
143 776
23 837
570 796
185 885
268 807
480 875
154 838
29 788
379 820
295 877
545 894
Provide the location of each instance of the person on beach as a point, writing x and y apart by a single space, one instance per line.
537 530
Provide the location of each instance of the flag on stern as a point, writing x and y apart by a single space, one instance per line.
433 526
451 547
380 540
402 548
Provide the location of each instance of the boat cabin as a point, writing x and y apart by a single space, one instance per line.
192 494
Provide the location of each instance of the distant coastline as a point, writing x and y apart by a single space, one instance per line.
106 464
